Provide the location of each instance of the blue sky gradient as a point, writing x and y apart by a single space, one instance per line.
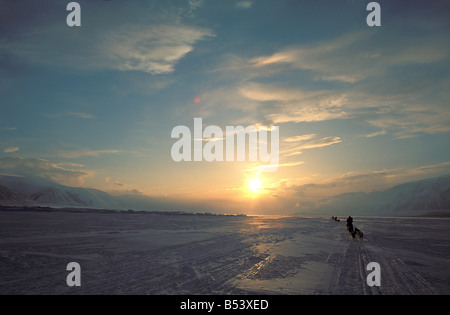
359 108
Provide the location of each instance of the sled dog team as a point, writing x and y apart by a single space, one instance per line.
350 228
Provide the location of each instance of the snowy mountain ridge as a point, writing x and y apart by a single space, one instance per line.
421 197
21 191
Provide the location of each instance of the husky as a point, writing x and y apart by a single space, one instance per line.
358 233
354 231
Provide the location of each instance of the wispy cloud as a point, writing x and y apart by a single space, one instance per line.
244 4
152 44
86 152
12 149
72 114
352 57
61 172
300 138
375 134
393 85
311 189
297 105
120 184
306 142
293 146
406 123
155 50
319 143
195 4
271 92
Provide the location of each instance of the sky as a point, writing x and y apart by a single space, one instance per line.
358 108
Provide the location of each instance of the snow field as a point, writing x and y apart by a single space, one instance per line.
123 253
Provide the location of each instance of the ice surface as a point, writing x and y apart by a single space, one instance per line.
135 253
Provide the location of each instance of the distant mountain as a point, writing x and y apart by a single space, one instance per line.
414 198
54 195
22 191
24 186
8 196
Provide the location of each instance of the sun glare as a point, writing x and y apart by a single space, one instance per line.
255 185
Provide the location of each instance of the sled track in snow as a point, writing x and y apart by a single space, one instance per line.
396 276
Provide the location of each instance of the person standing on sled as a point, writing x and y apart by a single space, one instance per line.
350 224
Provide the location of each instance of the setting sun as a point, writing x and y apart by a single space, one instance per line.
255 185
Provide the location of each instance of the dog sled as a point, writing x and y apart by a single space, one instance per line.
354 232
335 219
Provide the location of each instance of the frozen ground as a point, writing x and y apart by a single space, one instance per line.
123 253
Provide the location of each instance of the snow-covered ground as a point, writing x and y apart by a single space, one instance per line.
124 253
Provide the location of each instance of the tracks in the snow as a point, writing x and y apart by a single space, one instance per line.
396 276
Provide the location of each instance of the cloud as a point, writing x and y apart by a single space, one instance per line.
12 149
367 181
300 138
295 145
119 187
405 123
394 105
155 50
353 57
393 81
291 164
61 172
153 42
304 115
86 152
267 92
72 114
296 105
319 143
388 80
428 170
328 60
244 4
195 4
375 134
293 153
